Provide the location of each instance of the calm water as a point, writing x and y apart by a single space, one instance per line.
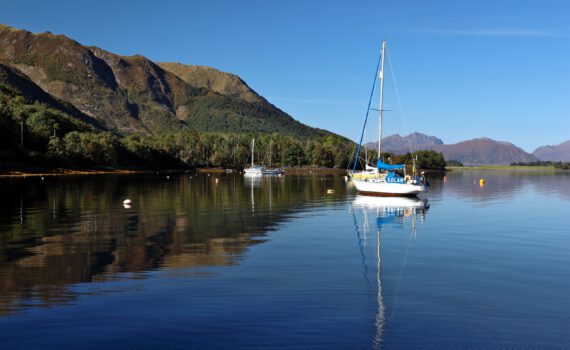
279 263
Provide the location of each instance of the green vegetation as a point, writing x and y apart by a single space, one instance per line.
455 163
53 138
557 165
503 168
83 106
135 95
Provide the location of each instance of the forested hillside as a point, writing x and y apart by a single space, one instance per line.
65 104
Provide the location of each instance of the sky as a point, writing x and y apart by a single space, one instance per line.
461 69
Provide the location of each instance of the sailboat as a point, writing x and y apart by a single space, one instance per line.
270 170
253 170
384 179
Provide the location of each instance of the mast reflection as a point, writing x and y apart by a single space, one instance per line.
393 212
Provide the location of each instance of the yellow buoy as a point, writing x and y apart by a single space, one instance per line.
481 182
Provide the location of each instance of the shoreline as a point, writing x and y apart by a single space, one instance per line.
504 168
15 173
68 172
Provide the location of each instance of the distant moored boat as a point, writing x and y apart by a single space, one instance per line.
253 170
270 170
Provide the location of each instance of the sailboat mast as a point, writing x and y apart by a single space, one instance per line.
381 77
252 150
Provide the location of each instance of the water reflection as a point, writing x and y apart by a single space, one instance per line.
387 212
63 231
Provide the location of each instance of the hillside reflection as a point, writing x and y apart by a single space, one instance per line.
62 231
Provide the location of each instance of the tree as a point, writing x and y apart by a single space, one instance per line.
292 154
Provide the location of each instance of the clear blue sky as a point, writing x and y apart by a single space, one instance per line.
464 69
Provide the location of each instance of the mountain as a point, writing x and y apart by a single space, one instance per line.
557 153
484 151
472 152
15 84
401 145
132 94
212 79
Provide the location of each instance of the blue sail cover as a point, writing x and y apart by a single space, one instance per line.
383 166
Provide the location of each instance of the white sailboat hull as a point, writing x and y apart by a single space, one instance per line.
253 171
382 188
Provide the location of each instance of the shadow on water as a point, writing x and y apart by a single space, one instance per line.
66 230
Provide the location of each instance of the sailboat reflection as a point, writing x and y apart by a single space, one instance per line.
391 212
252 182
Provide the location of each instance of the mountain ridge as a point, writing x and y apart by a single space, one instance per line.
555 153
477 151
132 94
396 143
213 79
14 82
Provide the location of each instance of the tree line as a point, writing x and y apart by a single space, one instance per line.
425 159
35 134
557 165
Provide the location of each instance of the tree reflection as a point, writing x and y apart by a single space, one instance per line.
68 230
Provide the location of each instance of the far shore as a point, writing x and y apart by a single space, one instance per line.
217 170
37 172
68 172
504 167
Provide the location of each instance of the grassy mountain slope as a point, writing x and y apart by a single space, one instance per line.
135 95
212 79
24 106
128 94
15 84
231 104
